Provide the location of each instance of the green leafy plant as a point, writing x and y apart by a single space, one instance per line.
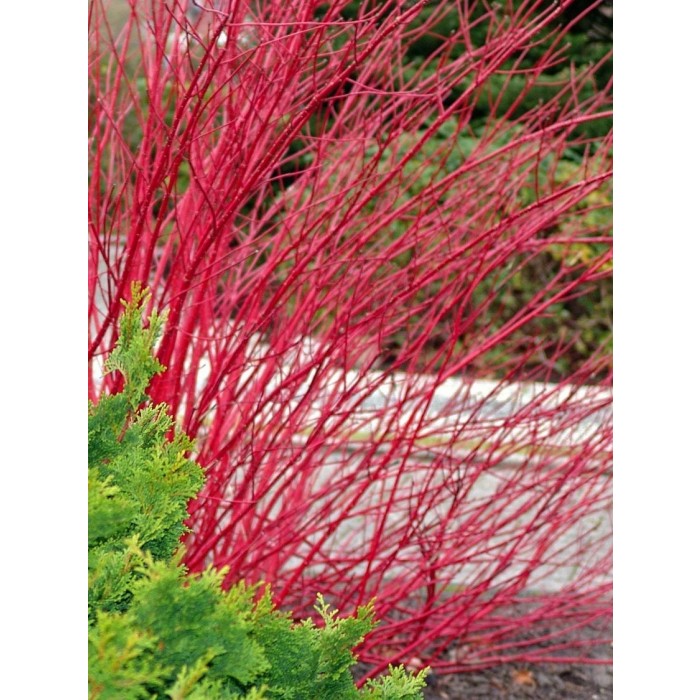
156 631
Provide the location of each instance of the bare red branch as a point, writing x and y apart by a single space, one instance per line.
374 393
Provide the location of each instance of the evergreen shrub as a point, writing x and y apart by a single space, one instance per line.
157 631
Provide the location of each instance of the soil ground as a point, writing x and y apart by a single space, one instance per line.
545 681
520 681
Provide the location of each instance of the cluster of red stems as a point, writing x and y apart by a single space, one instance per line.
262 166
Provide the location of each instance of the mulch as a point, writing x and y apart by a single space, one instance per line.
541 681
517 682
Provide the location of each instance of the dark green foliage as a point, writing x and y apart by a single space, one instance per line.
155 631
583 323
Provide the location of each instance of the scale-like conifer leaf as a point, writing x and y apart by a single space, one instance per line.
156 631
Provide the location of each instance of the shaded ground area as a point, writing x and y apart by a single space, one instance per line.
542 681
517 681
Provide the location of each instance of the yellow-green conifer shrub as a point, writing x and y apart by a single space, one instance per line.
156 631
